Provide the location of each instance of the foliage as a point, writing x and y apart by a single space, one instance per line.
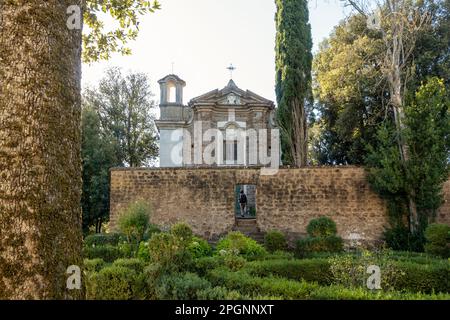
93 265
182 232
304 247
237 243
115 283
98 42
101 239
123 103
321 227
143 252
425 278
275 240
311 270
293 77
289 289
205 264
151 229
399 237
349 86
133 264
169 252
97 153
351 271
107 252
199 248
438 240
350 96
134 220
184 286
427 134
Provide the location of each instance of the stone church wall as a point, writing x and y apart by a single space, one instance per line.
205 199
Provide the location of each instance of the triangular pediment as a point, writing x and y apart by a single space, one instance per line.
231 95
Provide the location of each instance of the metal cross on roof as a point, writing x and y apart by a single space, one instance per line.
231 68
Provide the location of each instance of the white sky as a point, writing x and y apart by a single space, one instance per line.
202 38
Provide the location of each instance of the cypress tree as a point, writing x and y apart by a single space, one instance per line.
293 77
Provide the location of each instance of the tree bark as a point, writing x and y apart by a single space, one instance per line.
40 165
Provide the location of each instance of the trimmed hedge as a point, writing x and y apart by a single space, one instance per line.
423 278
275 241
115 283
314 270
102 239
180 286
308 245
133 264
289 289
93 265
108 253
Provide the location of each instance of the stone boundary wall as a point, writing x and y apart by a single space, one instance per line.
287 201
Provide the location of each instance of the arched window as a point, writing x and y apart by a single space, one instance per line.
171 93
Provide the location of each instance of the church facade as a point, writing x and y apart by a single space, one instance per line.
223 127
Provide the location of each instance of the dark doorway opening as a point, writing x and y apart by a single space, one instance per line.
245 210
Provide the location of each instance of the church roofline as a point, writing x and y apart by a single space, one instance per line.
231 87
172 77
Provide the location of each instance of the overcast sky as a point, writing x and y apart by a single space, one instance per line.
202 38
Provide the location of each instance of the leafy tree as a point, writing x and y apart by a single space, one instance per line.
98 42
97 152
350 97
427 135
293 77
124 106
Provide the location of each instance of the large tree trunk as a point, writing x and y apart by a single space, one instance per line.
299 137
40 165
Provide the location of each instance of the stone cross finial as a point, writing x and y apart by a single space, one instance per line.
231 68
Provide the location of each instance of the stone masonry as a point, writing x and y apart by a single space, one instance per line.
204 198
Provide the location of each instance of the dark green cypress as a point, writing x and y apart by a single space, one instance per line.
293 77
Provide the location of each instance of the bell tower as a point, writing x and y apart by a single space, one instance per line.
173 116
171 100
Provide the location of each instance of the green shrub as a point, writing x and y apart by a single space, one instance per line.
171 253
400 238
308 245
423 278
203 265
133 222
115 283
289 289
182 231
101 239
93 265
351 270
234 262
127 250
199 248
143 252
108 253
279 255
313 270
438 240
133 264
321 227
151 230
237 243
274 241
181 286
